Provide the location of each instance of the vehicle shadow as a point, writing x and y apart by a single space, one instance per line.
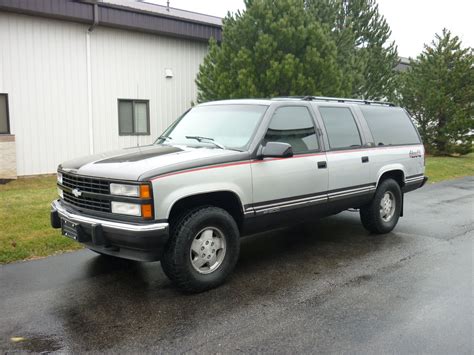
137 301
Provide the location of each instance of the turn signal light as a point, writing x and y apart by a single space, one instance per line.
145 191
147 211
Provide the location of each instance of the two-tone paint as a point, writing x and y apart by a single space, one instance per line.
270 191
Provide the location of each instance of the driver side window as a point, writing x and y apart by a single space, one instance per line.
293 125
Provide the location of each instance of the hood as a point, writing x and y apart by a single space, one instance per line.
139 163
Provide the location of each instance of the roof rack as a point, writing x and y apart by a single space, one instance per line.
337 99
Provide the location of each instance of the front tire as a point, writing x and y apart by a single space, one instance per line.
203 249
381 215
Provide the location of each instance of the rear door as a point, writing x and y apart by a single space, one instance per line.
281 185
347 156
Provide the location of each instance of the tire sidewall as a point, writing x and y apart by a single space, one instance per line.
392 186
209 217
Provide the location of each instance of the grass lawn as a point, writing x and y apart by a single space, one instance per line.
444 168
25 230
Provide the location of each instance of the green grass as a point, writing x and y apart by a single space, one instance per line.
445 168
25 230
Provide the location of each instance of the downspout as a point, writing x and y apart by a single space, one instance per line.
95 22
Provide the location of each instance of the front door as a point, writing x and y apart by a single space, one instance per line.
295 184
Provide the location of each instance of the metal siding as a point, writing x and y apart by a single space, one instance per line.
130 65
43 69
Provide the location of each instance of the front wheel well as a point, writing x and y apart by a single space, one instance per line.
227 200
396 175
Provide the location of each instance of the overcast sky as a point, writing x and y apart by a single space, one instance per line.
413 22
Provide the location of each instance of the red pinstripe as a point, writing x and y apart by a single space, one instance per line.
258 161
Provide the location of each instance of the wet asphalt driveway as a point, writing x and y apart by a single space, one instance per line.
325 287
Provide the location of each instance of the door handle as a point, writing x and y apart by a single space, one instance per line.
365 159
322 165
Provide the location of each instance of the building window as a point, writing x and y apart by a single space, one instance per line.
4 118
134 117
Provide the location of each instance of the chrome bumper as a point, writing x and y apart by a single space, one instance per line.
129 227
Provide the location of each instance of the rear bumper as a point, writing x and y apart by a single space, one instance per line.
425 179
414 183
136 241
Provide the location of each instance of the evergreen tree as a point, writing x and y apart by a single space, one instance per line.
273 48
365 55
438 90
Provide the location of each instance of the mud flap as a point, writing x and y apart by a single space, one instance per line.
403 202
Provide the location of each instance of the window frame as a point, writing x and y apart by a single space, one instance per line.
316 128
7 107
371 140
357 124
133 101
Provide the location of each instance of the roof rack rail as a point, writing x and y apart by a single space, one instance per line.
334 99
338 99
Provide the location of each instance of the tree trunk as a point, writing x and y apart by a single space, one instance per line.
441 140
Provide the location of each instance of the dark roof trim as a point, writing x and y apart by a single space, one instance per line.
115 16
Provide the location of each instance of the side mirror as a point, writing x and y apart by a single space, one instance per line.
277 150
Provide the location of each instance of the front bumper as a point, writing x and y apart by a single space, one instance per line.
136 241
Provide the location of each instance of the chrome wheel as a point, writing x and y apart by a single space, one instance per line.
387 206
207 250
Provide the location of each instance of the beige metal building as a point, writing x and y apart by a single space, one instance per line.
82 77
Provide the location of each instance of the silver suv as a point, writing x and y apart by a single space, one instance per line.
232 168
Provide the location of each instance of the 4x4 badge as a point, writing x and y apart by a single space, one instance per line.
415 153
76 192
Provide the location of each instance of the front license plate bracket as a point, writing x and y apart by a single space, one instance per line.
71 230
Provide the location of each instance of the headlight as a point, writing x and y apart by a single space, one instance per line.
142 191
60 193
131 209
125 190
59 178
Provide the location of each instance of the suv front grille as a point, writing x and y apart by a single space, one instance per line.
87 202
86 184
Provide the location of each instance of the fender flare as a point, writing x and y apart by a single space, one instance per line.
389 168
203 192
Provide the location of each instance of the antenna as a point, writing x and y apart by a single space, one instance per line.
168 5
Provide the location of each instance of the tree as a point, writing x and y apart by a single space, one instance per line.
438 90
273 48
365 54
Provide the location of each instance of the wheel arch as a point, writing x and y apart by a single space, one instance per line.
225 199
396 172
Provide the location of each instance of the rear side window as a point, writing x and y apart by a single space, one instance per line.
293 125
341 127
390 125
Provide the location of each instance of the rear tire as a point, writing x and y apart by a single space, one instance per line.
381 215
202 250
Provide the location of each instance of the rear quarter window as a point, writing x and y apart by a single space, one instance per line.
390 125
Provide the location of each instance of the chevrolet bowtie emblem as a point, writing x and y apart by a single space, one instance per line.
76 192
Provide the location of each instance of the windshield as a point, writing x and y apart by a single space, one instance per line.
229 126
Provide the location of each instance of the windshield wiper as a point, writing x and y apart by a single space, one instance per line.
204 139
165 138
